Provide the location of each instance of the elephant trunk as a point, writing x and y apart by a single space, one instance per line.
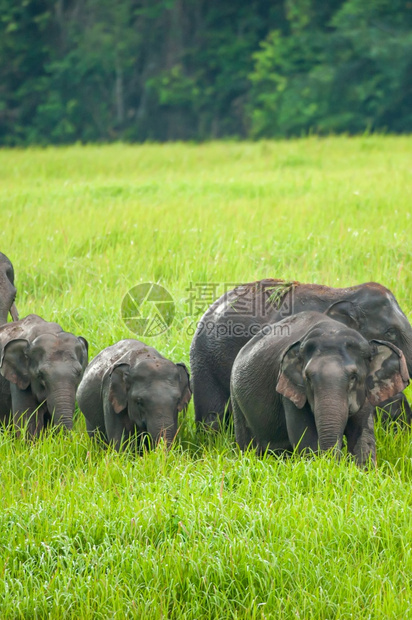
4 313
162 426
61 406
6 306
7 295
14 312
331 417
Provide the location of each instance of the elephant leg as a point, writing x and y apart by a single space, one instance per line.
90 403
211 401
242 432
96 431
117 427
5 402
301 427
360 435
26 411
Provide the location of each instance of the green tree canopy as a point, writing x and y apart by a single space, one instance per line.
95 70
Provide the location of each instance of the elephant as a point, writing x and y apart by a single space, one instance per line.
308 380
7 290
7 305
233 319
44 366
130 388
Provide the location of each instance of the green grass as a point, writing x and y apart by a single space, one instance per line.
201 531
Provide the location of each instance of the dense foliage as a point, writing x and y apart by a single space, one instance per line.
94 70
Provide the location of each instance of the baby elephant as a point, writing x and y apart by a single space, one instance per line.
130 387
310 381
44 366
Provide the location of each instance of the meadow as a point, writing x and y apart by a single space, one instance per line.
201 531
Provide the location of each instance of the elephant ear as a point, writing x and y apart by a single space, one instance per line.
290 380
388 372
185 385
118 387
345 312
14 363
85 351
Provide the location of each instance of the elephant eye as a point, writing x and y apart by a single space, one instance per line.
390 334
308 379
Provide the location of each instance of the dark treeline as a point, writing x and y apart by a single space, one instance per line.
101 70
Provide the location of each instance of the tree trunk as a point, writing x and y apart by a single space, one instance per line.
119 95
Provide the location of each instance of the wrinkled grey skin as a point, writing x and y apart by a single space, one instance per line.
369 308
7 290
44 366
310 383
130 387
7 297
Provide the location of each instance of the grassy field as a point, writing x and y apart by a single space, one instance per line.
201 531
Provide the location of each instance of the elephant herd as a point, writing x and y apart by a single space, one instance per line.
299 366
302 365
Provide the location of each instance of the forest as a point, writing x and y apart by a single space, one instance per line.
159 70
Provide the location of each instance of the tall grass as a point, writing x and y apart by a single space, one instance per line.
201 531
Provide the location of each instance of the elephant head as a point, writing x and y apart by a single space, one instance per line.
335 371
152 392
373 310
51 366
7 290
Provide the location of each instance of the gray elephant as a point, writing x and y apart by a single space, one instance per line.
232 320
7 290
44 366
7 304
130 387
307 381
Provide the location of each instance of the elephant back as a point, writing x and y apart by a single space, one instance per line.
28 328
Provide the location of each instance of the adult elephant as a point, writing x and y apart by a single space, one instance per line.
7 290
239 314
7 305
44 366
308 381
